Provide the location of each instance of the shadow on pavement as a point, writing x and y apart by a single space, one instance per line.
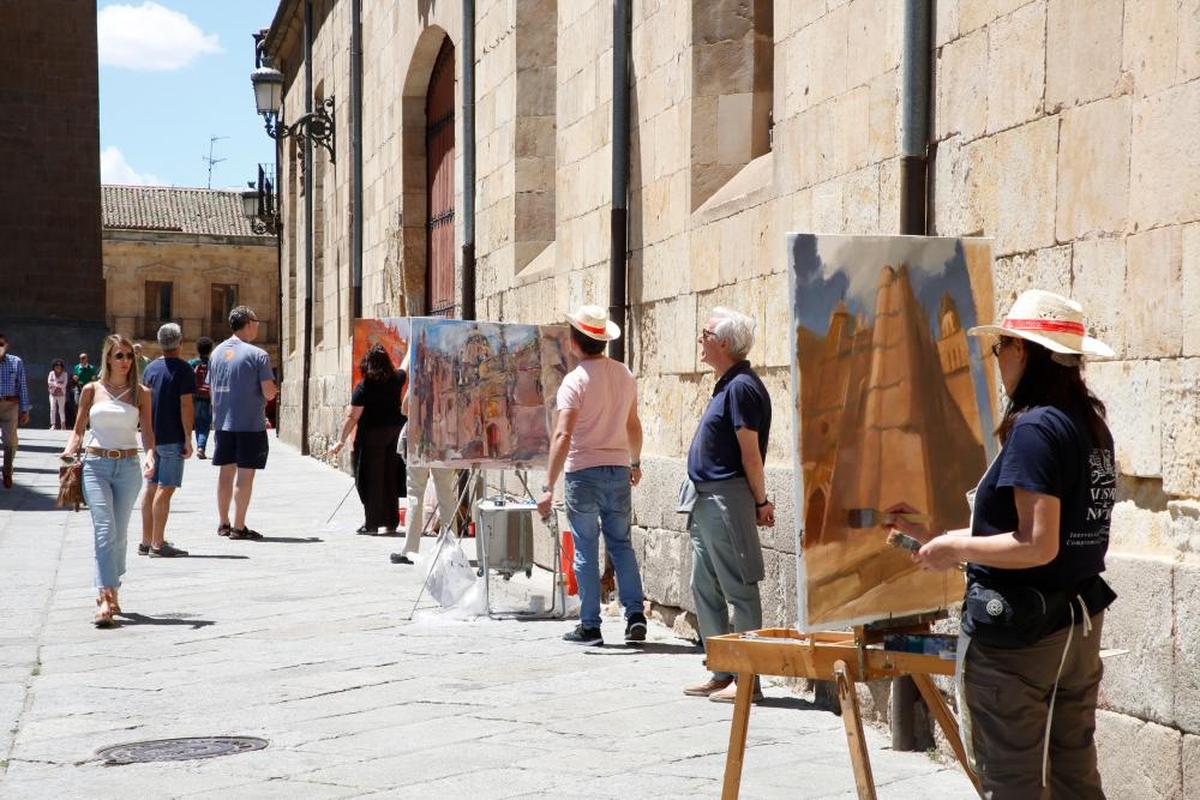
26 498
39 448
165 619
215 555
285 539
797 703
649 648
39 470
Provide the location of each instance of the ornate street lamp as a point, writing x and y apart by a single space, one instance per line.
317 126
258 205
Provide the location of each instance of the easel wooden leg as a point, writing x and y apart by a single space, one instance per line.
945 720
859 756
737 736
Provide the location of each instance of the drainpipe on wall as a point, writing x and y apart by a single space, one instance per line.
468 248
308 233
917 76
617 298
356 107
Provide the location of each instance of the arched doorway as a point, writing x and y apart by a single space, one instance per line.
439 186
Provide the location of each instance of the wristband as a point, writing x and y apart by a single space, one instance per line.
635 465
765 502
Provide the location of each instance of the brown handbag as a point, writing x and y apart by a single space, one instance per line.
70 484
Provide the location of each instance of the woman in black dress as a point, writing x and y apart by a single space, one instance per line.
374 415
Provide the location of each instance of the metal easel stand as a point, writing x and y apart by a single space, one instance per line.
464 494
558 592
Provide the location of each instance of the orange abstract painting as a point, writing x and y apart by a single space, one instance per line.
391 332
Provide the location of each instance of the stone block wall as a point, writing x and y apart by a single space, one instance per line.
1063 129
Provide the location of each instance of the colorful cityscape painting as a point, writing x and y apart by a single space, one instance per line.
482 394
391 332
893 402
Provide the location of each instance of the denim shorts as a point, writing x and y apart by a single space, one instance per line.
168 465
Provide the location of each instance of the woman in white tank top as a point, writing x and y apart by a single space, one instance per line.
116 405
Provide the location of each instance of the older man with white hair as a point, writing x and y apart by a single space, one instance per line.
172 384
725 495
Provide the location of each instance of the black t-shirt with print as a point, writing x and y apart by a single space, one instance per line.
1051 452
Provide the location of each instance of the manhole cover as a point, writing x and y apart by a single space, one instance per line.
184 749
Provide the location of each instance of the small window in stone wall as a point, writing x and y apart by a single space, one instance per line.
222 299
159 302
733 77
534 139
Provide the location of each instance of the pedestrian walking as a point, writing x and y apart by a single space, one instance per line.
374 416
202 400
82 374
172 384
142 361
725 494
57 381
445 486
1029 649
14 406
598 441
114 406
241 383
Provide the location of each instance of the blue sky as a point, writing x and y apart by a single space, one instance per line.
172 74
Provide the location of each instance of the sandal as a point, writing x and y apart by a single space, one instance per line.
244 533
104 611
223 530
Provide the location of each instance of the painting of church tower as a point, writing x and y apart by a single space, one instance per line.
888 410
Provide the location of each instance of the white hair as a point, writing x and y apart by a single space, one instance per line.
735 329
169 336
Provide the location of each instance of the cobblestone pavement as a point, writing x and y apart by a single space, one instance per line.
301 640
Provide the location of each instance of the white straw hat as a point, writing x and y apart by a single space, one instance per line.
1051 320
593 321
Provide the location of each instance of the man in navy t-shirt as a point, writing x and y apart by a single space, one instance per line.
241 382
173 385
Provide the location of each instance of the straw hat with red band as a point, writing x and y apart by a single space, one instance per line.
1051 320
593 321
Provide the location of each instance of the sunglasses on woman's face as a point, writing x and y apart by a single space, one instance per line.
122 356
999 344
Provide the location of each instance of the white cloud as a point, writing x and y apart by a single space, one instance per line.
114 169
150 37
852 253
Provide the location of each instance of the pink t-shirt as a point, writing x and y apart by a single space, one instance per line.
603 391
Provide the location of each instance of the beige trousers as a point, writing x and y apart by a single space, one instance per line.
10 416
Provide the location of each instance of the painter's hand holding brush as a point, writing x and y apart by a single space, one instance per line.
937 552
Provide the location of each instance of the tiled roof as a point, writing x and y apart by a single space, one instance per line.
162 208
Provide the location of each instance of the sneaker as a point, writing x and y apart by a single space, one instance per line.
200 455
582 635
167 550
143 549
729 693
708 688
635 628
400 558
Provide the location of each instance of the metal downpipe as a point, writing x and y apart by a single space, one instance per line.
308 234
916 69
356 125
468 248
617 277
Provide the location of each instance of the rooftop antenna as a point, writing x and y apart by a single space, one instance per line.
212 162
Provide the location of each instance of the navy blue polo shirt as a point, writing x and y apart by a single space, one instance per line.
739 401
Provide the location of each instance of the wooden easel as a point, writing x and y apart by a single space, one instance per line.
842 657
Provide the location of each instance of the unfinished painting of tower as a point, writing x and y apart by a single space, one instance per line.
482 394
893 404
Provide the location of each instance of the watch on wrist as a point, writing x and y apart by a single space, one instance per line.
635 465
766 502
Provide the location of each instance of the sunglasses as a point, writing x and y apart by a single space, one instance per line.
705 333
122 356
999 344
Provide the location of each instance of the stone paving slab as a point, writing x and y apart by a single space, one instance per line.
303 640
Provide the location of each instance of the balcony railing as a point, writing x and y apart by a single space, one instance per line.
146 328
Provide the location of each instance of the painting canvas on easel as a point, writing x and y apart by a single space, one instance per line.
390 332
483 393
894 402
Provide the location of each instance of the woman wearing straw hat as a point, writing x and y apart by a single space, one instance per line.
598 439
1029 653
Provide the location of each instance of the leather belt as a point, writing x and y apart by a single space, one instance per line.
9 398
105 452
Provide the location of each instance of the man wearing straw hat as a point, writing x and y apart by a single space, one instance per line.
598 439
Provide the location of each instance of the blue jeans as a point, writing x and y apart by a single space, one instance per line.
111 486
202 421
168 465
598 499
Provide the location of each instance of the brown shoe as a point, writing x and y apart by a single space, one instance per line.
8 477
707 688
729 693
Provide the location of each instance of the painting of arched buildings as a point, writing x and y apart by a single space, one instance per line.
483 393
894 403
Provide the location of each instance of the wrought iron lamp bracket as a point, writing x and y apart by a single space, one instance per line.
317 126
